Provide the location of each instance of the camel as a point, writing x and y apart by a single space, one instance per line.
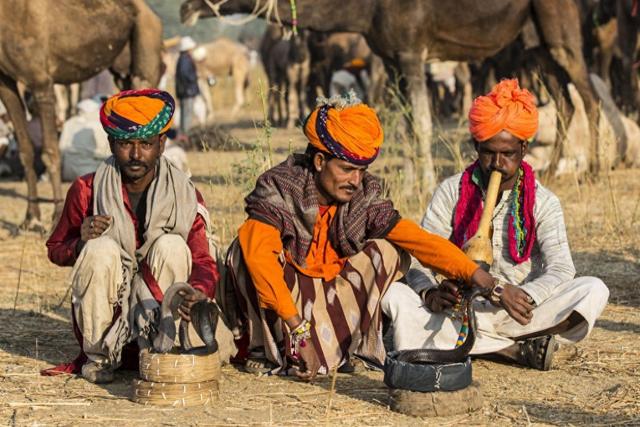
286 62
330 52
407 33
221 58
43 42
628 15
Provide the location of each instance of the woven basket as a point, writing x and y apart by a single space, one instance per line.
175 395
178 368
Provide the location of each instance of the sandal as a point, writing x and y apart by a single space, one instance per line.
258 364
537 353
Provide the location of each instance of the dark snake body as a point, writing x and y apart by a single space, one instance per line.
457 355
204 316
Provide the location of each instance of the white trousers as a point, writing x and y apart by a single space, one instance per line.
416 327
97 274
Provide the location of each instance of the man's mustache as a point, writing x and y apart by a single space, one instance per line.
349 187
134 164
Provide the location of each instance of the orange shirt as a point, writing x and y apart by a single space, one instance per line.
261 247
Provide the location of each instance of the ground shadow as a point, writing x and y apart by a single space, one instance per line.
37 336
47 338
360 386
621 276
613 326
570 414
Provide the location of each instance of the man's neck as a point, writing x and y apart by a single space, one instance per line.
323 198
139 185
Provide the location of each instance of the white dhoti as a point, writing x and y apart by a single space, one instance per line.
98 272
416 327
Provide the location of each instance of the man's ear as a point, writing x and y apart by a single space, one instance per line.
525 147
162 141
319 161
112 144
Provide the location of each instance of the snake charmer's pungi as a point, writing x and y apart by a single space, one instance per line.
538 298
320 247
130 230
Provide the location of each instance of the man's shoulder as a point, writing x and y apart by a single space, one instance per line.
84 181
544 195
449 185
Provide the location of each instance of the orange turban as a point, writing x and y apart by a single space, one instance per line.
352 133
137 114
506 107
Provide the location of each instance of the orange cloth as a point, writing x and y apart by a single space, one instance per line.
261 247
432 251
506 107
356 128
322 260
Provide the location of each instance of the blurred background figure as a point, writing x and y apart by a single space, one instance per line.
352 76
83 142
186 82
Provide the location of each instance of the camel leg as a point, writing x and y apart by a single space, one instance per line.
205 90
74 98
293 110
412 69
239 78
627 40
559 25
62 102
11 99
556 84
50 149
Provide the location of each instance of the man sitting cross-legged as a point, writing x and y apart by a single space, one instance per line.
130 231
321 246
538 297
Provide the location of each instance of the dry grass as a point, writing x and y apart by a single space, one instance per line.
595 382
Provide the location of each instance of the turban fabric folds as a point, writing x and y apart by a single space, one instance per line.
352 133
137 114
506 107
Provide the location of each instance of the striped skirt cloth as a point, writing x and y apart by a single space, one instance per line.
344 312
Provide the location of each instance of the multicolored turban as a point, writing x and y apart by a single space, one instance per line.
352 133
137 114
506 107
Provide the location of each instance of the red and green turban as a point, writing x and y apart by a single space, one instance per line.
137 114
352 133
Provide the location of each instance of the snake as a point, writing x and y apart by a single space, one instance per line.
204 316
458 354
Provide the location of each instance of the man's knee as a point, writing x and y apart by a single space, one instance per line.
595 287
168 247
397 296
100 253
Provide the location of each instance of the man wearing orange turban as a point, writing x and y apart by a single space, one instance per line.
537 299
137 220
321 246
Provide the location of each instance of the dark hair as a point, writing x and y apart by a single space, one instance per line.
311 152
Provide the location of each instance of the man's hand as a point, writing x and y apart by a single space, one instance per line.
310 362
445 296
482 279
516 302
189 300
93 227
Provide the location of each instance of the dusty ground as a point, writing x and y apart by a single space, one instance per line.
594 383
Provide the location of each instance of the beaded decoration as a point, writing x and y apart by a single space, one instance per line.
298 339
294 17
